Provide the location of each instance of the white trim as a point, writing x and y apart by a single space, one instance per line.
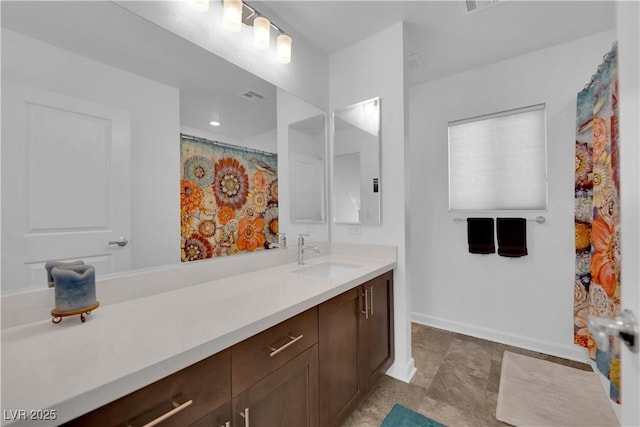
403 373
571 352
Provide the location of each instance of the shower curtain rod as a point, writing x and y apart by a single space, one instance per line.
224 144
539 219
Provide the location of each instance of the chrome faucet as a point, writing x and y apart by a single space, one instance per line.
302 247
282 240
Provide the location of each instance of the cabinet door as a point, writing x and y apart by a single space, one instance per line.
220 417
376 334
338 334
288 397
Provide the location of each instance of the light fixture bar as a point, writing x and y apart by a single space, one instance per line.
248 16
254 12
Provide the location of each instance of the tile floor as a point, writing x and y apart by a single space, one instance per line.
456 383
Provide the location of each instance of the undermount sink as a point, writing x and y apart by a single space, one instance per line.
326 269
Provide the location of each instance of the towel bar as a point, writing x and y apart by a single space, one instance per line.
539 219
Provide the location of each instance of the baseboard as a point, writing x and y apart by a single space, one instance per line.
403 372
571 352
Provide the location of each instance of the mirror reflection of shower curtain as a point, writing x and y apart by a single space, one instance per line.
597 215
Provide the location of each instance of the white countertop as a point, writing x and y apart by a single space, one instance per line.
75 367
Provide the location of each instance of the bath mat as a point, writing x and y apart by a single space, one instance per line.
536 392
399 416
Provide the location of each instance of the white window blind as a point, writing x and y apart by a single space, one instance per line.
498 162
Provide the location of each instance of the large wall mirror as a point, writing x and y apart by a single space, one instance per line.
137 86
356 164
307 182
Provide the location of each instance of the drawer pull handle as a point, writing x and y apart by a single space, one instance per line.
371 303
293 339
245 415
177 408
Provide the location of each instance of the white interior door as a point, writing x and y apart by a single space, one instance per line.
307 187
65 185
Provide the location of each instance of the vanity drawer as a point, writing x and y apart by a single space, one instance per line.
206 384
258 356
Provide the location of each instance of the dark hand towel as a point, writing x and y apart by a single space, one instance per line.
480 235
512 237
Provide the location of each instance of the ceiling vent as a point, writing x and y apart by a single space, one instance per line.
253 96
475 5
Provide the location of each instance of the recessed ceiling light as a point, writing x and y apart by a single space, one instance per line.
214 123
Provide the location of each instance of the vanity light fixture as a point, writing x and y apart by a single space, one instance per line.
232 15
283 49
201 6
261 33
236 12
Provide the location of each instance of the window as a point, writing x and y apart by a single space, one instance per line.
498 162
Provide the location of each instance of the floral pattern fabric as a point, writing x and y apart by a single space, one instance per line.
228 199
597 215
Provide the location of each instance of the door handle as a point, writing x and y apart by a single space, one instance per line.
624 326
366 304
122 241
245 414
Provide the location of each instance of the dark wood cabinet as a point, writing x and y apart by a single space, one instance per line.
355 341
179 399
263 353
288 397
219 417
339 328
308 371
376 332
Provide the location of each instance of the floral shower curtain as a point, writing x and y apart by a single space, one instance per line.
597 215
228 199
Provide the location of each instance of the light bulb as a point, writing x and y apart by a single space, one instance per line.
232 15
199 5
283 49
261 33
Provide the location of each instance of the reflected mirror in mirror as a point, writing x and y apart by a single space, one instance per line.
356 164
307 147
115 82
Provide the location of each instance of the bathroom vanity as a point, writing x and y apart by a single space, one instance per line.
284 345
309 370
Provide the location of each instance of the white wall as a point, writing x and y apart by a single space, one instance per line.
525 301
155 154
265 141
370 68
628 32
306 75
